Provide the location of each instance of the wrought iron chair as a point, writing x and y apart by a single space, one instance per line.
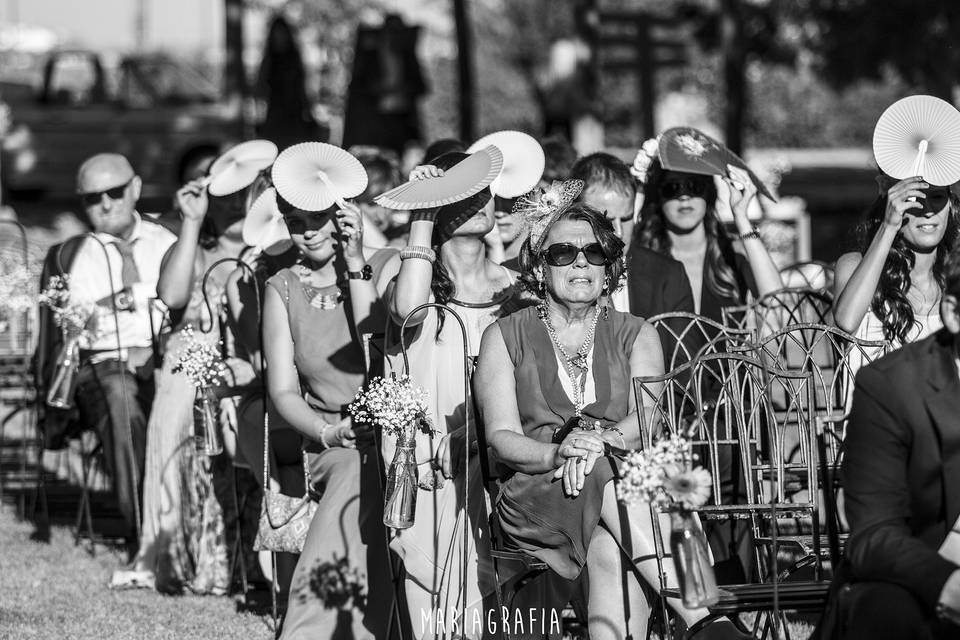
690 334
739 423
832 357
779 309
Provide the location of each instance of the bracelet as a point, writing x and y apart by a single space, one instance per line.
753 233
619 433
323 432
423 253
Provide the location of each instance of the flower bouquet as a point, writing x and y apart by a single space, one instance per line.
17 291
78 321
200 361
338 584
400 410
664 476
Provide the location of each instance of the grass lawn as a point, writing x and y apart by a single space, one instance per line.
57 590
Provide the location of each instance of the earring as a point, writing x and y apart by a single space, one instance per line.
541 288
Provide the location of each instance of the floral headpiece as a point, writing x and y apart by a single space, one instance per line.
541 207
645 156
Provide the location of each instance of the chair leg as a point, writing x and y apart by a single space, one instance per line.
273 594
237 555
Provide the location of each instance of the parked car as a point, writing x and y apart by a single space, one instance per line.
167 119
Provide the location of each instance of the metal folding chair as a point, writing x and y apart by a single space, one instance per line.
779 309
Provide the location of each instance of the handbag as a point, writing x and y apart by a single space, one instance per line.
284 520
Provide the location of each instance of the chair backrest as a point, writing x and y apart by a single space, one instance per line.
779 309
739 427
685 335
832 357
812 274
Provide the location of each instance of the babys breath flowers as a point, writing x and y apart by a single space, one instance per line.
338 584
662 475
199 360
17 288
76 318
393 404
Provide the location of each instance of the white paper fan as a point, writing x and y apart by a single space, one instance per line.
919 136
523 162
312 176
239 166
464 179
264 228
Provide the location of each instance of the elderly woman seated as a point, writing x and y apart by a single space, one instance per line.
553 385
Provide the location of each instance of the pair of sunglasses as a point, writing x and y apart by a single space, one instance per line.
687 187
299 223
96 197
937 198
564 253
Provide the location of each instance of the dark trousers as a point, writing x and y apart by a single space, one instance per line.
875 610
116 402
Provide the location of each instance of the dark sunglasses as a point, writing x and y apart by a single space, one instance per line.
937 198
678 188
299 223
564 253
95 197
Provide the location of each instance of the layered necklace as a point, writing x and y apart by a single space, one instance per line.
576 366
318 299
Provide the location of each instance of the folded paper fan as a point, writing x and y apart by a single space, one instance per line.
919 136
466 178
689 150
264 228
312 176
239 166
523 162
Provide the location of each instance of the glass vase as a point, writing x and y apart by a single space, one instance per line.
400 496
64 381
206 425
698 585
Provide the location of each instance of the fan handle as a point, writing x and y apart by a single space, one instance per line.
920 164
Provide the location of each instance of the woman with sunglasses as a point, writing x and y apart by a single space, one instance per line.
679 219
553 389
446 262
890 289
184 540
313 316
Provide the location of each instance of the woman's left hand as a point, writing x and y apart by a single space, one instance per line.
350 223
742 190
445 459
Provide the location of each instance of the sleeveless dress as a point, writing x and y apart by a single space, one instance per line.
535 515
433 550
183 539
871 328
347 523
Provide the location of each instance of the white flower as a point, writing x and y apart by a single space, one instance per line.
662 476
651 146
689 488
200 361
393 404
691 144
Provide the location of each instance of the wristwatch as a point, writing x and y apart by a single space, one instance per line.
364 274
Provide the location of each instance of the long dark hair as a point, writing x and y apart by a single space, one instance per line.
721 277
890 303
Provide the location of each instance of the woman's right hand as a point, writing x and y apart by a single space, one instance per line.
575 457
898 203
424 171
343 434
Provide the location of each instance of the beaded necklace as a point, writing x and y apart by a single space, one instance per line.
576 366
318 300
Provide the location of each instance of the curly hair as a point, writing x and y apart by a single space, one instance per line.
606 235
721 278
890 303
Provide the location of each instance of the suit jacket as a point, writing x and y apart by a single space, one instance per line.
657 283
901 471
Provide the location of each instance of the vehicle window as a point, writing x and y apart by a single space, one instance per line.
172 84
73 81
132 91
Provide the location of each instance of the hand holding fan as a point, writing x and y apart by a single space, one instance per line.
689 150
313 176
523 162
466 178
239 166
919 136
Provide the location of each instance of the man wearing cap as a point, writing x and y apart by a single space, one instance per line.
116 267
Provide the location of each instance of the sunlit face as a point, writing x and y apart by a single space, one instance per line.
480 224
313 233
683 201
109 198
925 231
616 205
579 281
